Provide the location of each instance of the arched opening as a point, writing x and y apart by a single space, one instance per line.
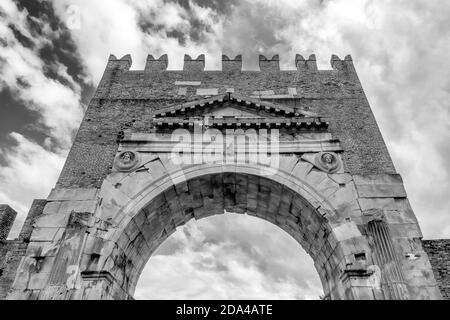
144 228
229 256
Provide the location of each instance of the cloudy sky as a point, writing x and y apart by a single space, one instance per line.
53 53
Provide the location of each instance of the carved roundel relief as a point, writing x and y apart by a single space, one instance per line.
328 161
126 161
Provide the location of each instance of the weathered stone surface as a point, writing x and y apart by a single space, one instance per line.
380 186
61 194
345 201
346 230
207 92
187 83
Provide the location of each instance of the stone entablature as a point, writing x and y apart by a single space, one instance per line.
150 142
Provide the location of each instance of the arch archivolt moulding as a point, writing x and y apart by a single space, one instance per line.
124 193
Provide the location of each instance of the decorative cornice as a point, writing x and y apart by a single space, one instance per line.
242 100
298 122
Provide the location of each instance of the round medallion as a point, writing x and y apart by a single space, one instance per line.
327 161
126 160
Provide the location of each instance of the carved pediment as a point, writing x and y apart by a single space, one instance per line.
234 110
238 102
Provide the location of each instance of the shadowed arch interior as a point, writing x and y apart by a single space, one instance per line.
212 194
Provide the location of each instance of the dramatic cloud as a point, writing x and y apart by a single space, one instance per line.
227 257
50 61
23 72
141 28
28 169
30 173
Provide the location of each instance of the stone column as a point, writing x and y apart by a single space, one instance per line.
392 279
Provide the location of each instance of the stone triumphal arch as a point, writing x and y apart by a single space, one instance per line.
156 148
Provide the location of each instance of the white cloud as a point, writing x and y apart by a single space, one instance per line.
30 173
113 27
22 71
31 170
229 257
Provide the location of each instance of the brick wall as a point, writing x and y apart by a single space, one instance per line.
439 254
7 217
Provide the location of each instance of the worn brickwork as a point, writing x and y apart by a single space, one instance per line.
439 254
12 251
7 216
128 99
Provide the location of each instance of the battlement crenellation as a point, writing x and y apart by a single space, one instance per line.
266 65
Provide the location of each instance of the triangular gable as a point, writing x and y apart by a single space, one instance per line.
270 107
230 111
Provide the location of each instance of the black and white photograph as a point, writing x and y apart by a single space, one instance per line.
224 151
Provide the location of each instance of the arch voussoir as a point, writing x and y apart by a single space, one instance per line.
168 200
312 209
